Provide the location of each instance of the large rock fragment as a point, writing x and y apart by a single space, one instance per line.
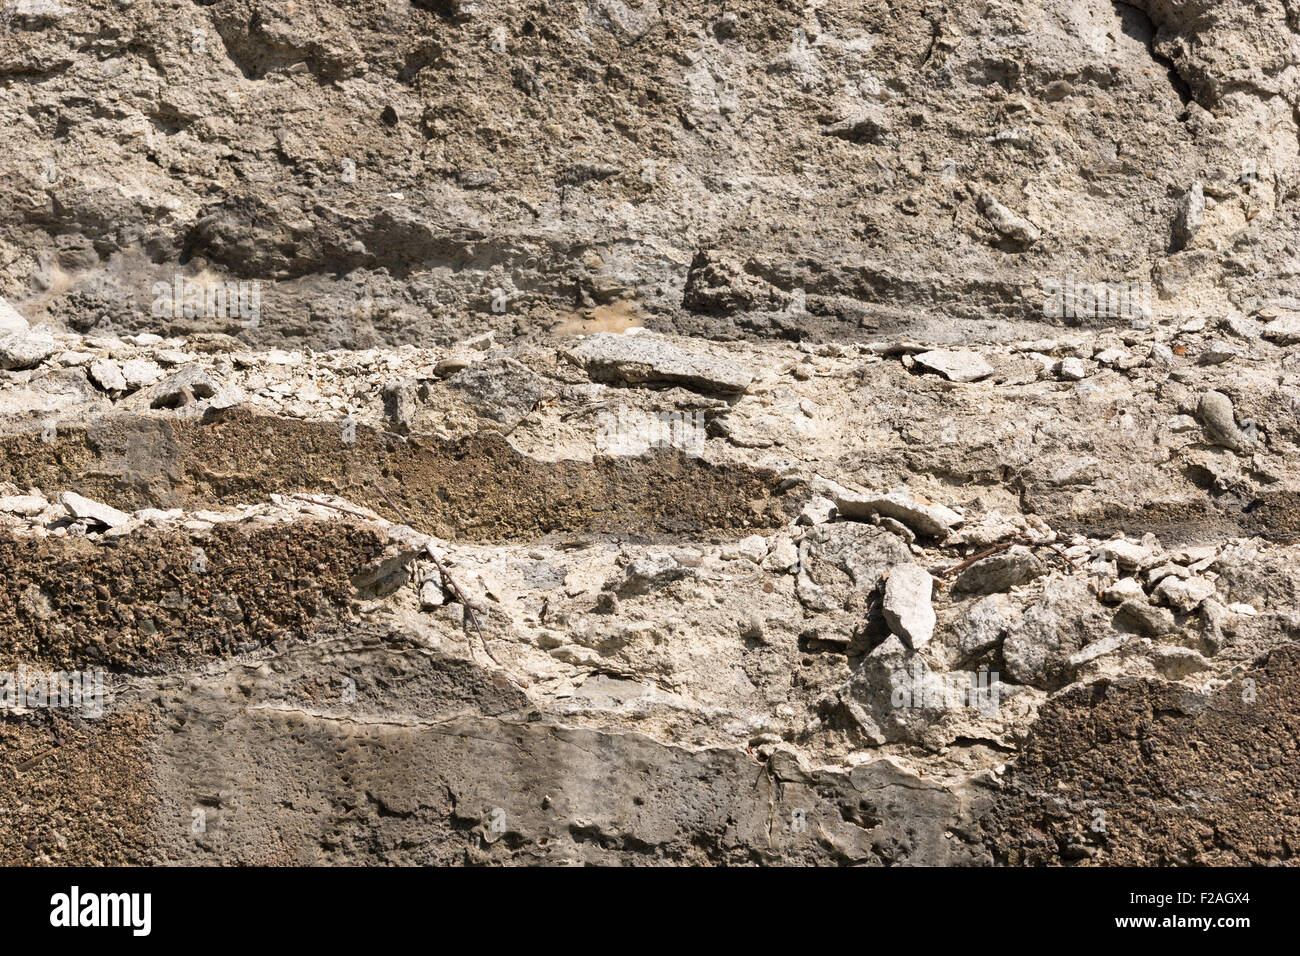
189 384
907 607
107 374
87 510
1127 555
25 348
818 510
25 505
1220 423
1006 222
984 626
140 373
48 392
900 696
644 360
1183 594
842 565
1066 618
651 572
391 567
37 14
10 320
1187 221
955 366
1284 330
923 517
999 572
866 127
500 389
1123 590
717 284
1144 617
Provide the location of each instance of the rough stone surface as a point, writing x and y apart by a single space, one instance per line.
88 510
691 640
640 359
907 607
1284 330
955 366
923 517
1217 418
24 348
10 319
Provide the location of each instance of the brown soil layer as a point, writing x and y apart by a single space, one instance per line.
76 791
148 600
1172 522
479 488
1273 516
1150 774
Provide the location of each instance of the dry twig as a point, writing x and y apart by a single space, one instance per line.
999 548
326 504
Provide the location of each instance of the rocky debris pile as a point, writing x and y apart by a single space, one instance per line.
1165 436
923 623
1051 610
